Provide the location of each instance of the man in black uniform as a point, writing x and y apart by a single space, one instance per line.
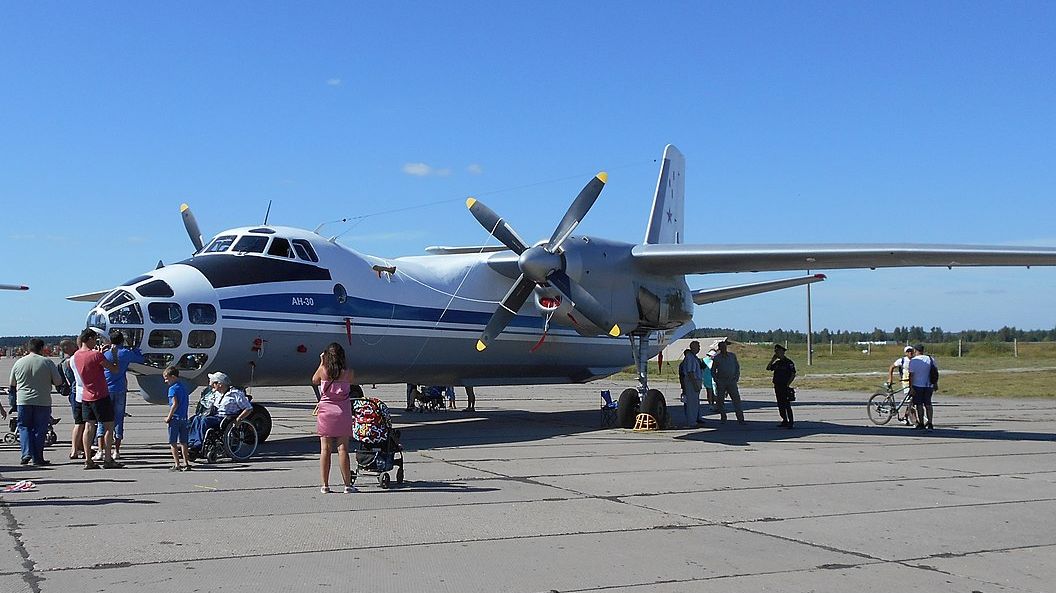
784 372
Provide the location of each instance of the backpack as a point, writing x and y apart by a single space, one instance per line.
933 373
371 421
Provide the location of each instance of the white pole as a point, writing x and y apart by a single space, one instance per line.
830 347
1015 347
958 347
810 341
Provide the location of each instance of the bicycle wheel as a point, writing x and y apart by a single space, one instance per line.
881 408
240 440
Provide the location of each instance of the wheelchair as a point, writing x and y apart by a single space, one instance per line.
234 440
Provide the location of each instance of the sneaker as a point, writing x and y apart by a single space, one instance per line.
27 460
42 462
350 489
111 464
117 454
325 490
91 465
98 456
918 427
174 468
929 426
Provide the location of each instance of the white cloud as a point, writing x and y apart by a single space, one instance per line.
333 81
417 169
475 169
424 170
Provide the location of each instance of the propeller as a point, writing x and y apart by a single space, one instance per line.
542 264
191 225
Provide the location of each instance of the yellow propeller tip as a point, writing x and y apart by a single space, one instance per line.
603 176
470 202
615 331
184 207
481 346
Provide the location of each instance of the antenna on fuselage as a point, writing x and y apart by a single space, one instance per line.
267 213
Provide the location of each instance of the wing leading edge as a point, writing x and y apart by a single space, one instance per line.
713 259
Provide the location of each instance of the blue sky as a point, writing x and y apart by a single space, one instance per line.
800 122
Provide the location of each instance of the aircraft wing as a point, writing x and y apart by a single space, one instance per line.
88 297
711 259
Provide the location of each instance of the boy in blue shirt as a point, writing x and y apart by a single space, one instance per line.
177 419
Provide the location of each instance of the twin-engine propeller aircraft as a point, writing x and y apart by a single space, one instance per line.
261 302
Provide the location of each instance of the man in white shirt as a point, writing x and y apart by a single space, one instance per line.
921 385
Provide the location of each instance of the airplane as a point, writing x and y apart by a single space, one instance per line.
260 302
13 287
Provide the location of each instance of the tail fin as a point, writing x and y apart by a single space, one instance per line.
665 222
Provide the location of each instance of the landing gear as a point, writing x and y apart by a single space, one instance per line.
643 399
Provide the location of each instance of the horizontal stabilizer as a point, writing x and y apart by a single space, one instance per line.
714 295
713 259
444 250
88 297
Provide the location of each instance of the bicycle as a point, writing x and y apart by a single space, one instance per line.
882 405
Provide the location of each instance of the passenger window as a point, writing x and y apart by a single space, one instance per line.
251 244
192 362
219 244
165 339
280 247
127 315
305 250
133 336
165 313
157 288
201 313
340 293
201 338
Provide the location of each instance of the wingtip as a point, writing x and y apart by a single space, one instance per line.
184 208
603 176
470 202
481 346
615 331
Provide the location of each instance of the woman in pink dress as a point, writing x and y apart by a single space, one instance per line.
334 419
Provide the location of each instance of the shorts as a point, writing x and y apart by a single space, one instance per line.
179 430
78 412
100 410
922 395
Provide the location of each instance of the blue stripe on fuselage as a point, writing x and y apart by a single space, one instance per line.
355 307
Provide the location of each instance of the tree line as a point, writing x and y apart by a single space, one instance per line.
911 334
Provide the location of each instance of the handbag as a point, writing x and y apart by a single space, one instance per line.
791 394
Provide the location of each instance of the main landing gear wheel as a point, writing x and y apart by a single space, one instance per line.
261 419
881 408
655 405
627 408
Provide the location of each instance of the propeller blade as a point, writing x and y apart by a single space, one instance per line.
584 302
577 210
495 225
508 308
191 225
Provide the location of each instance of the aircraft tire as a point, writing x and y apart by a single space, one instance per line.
261 420
655 405
627 408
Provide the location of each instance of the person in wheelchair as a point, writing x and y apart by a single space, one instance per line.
223 403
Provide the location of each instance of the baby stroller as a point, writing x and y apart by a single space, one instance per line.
379 449
431 397
11 436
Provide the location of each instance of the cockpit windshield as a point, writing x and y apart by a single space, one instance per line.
251 244
221 243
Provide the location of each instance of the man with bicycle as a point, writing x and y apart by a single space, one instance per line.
902 364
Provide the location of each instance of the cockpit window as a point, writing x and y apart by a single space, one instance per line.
201 313
221 243
165 312
116 299
305 250
251 244
280 247
128 315
157 288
